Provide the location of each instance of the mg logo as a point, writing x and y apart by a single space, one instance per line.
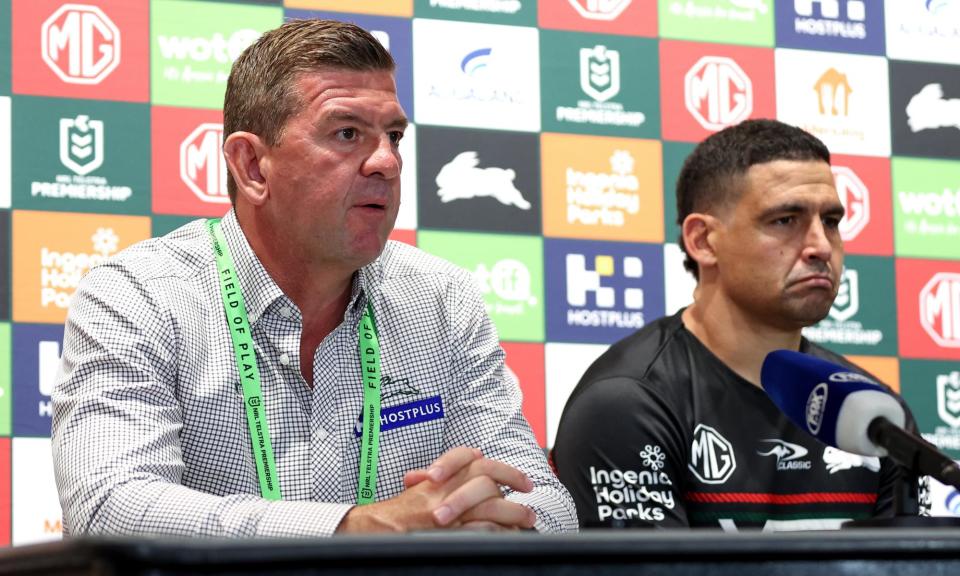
711 456
940 309
948 398
80 44
81 144
847 303
600 72
717 92
855 197
833 93
600 9
581 281
202 167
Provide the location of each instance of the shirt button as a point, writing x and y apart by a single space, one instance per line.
322 434
286 312
284 359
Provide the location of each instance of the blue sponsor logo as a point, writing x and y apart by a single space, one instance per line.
610 289
834 25
36 352
407 414
952 502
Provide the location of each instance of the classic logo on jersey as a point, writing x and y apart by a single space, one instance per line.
923 30
855 197
840 25
644 494
479 75
81 144
711 456
728 21
202 166
718 93
940 309
837 460
36 351
600 9
948 398
611 289
789 456
80 44
461 179
36 509
508 270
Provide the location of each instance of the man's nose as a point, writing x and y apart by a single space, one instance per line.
384 160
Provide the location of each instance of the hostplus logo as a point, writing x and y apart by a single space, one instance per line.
82 152
604 10
712 459
826 19
510 282
789 456
940 309
216 49
600 80
855 197
202 166
462 179
604 199
718 93
583 282
928 109
60 272
80 44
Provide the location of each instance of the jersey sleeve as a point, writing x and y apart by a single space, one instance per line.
620 452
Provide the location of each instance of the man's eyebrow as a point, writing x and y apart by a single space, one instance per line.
801 207
400 122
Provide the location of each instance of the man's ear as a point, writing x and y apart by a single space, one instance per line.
699 238
243 152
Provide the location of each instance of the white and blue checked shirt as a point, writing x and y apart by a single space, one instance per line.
149 429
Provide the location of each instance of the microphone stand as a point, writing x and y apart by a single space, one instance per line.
914 457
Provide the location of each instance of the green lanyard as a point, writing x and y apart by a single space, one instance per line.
246 359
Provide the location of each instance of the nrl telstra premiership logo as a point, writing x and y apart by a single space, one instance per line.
81 144
847 303
600 72
948 398
80 44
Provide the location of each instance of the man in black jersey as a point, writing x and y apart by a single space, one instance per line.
670 427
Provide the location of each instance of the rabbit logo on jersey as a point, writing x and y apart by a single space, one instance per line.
643 494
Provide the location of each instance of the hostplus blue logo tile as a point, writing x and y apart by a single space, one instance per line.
395 35
834 25
36 358
611 289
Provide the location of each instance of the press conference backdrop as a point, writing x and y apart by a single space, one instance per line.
546 141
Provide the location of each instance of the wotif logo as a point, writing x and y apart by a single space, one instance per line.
461 179
60 272
816 405
200 49
717 92
711 456
80 44
847 303
855 197
605 10
928 109
829 23
948 398
202 167
81 144
833 93
509 281
600 72
940 309
48 364
604 199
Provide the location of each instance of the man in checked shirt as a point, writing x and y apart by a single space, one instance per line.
157 428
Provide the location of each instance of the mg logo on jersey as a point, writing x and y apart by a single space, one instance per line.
847 303
202 167
948 398
855 197
81 144
833 93
711 456
717 92
600 9
581 281
940 309
600 72
80 44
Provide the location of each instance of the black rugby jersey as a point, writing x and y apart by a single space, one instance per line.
660 432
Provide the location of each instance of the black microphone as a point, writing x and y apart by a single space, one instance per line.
849 411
